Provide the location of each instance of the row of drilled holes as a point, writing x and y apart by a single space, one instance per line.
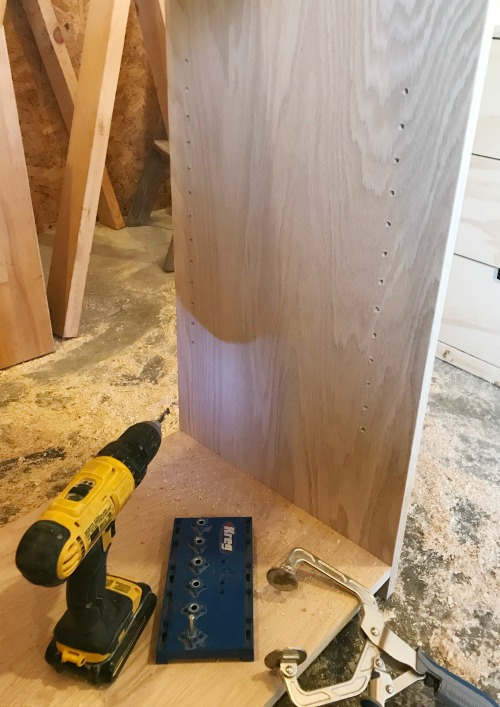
190 215
381 281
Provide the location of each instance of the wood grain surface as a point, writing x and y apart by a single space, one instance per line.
184 480
25 330
59 67
98 78
471 318
316 149
487 142
479 232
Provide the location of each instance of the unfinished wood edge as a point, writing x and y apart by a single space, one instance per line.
169 264
163 147
3 5
320 647
311 657
468 142
468 362
108 210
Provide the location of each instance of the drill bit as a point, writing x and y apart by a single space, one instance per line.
163 415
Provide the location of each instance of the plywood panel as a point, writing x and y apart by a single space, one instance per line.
25 330
316 148
184 480
487 142
479 231
471 318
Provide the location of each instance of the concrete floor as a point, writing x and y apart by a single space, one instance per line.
58 409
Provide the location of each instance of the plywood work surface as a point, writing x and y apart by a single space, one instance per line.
316 149
184 480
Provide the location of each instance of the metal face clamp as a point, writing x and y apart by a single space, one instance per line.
371 677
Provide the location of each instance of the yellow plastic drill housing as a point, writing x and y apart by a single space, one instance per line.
110 484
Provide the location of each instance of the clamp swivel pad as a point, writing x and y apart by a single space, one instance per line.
274 659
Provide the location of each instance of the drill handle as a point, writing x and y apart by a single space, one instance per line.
86 587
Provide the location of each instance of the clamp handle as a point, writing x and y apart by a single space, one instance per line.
449 688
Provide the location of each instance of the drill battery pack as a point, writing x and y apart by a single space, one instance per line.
130 605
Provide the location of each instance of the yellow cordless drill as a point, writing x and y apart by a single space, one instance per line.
105 614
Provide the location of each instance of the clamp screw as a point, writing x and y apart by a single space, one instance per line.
379 663
375 632
289 670
390 689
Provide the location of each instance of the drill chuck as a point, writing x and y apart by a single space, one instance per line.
135 448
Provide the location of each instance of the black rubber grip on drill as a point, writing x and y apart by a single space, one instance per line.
136 447
39 551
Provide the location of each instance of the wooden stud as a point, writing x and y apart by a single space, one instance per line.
152 20
25 330
169 264
101 58
163 147
62 76
469 363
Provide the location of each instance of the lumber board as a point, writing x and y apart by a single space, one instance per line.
59 67
314 209
468 363
100 66
152 20
169 264
3 5
487 142
163 147
154 173
184 480
25 330
471 317
479 232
